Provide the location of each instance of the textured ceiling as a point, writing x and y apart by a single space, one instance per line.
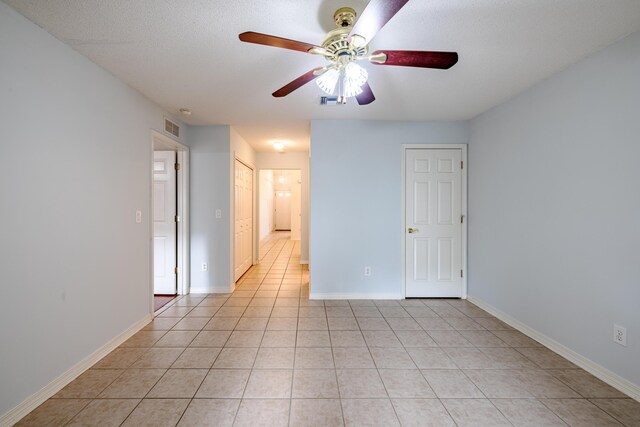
186 53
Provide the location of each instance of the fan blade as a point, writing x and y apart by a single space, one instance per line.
366 97
415 58
299 82
267 40
374 17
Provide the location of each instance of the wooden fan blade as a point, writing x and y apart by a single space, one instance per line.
366 97
416 58
374 17
299 82
267 40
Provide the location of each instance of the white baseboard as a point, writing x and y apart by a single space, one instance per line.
32 402
316 295
599 371
304 261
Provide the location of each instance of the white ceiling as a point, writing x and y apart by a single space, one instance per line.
186 53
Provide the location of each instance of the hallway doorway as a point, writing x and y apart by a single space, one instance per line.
280 202
169 220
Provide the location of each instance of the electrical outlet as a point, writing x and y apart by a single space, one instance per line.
138 217
205 266
218 213
620 335
367 271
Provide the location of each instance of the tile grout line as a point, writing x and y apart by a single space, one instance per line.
443 313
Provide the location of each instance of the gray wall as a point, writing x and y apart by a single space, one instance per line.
210 189
356 213
554 207
76 151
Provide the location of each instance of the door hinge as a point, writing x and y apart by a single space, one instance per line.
461 165
176 270
177 166
177 218
461 275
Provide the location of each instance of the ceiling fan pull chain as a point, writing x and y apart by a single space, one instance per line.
340 91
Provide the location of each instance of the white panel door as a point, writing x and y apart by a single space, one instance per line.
433 209
283 210
164 225
243 218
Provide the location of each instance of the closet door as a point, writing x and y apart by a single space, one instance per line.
243 218
434 223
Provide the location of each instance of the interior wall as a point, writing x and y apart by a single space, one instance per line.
293 160
554 224
356 213
210 190
242 150
265 209
77 148
296 212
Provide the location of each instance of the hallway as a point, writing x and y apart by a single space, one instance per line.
279 273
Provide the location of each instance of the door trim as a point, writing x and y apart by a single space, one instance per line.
403 249
161 141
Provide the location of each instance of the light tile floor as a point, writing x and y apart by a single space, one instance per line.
267 355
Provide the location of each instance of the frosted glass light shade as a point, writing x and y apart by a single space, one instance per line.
328 81
352 76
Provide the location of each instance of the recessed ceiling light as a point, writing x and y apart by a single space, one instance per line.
278 146
185 111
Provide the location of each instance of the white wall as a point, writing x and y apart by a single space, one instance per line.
356 212
242 150
76 150
210 174
266 203
213 151
296 208
554 207
293 160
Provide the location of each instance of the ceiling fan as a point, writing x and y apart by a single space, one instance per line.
346 45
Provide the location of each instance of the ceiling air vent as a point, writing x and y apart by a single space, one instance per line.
329 100
171 128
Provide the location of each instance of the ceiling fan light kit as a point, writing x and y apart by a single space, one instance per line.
342 78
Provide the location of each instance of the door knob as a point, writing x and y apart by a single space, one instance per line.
412 230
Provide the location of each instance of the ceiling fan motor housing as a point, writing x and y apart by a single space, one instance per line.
335 42
337 45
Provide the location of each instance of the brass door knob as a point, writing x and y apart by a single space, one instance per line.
412 230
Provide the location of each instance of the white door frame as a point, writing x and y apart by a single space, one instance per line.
160 141
463 148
